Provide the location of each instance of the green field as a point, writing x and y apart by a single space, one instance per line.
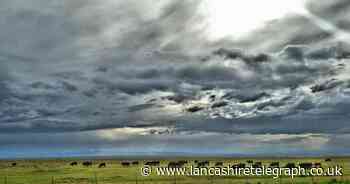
59 171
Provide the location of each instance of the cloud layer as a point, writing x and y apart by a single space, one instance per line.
88 69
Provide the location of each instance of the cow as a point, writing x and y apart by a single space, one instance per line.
102 165
275 164
203 164
318 165
257 165
240 165
87 163
328 159
73 164
175 165
153 163
135 163
219 164
183 162
290 166
250 161
14 164
306 165
125 164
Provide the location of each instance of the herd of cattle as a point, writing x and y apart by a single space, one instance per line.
206 163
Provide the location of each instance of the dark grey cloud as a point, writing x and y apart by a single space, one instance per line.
73 70
35 30
335 12
282 90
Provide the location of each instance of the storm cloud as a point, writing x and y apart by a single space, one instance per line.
125 73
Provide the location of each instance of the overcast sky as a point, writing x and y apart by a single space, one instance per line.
113 77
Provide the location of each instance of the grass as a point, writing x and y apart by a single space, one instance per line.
60 172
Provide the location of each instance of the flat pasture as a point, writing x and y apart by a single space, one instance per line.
124 171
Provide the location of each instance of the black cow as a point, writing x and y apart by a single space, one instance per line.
290 165
318 165
87 163
14 164
275 164
306 165
175 165
102 165
125 164
240 165
183 162
203 164
153 163
328 159
257 165
135 163
250 161
73 164
219 164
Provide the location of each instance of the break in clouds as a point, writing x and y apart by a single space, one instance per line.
99 75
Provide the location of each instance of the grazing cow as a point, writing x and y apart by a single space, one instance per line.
240 165
328 160
135 163
153 163
306 165
257 165
125 164
290 165
219 164
102 165
175 165
87 163
203 164
250 161
14 164
183 162
74 164
275 164
318 165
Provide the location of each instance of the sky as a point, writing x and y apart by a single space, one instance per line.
174 77
235 19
